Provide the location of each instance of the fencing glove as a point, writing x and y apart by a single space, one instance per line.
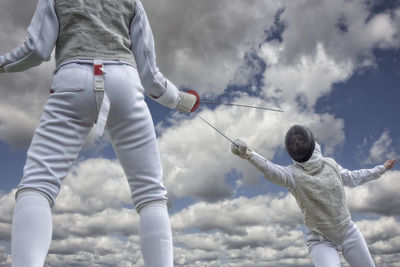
240 149
188 101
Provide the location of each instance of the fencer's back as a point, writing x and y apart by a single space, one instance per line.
94 29
321 198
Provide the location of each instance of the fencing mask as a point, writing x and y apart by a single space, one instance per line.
300 143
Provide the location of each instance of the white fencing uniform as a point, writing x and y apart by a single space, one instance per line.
71 111
69 115
323 250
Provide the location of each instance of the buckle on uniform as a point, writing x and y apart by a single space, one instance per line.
98 69
99 73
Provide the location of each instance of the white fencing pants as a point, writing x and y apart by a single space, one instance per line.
69 115
324 253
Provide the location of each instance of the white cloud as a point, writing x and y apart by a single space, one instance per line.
16 126
93 186
363 29
230 216
315 54
22 98
204 42
382 236
262 230
305 79
110 221
383 31
382 149
202 158
96 251
7 204
264 242
240 232
5 258
380 196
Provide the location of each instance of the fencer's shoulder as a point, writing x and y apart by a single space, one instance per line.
330 160
294 169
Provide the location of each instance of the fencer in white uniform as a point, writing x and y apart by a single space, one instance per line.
104 54
317 183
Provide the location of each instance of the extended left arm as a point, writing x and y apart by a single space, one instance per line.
354 178
359 177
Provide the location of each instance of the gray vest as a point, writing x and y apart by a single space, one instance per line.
321 198
94 29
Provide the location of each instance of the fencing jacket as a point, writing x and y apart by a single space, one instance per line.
321 198
94 29
113 30
317 186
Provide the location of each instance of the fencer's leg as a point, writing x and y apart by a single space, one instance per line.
355 249
66 120
155 235
31 230
324 255
132 133
323 252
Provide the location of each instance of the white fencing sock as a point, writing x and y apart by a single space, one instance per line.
31 230
155 236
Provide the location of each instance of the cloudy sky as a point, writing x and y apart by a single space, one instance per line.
332 65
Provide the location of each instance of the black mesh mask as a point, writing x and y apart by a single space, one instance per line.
300 143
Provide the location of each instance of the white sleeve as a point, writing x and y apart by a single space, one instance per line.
156 85
359 177
42 37
279 175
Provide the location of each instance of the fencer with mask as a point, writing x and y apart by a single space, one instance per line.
317 183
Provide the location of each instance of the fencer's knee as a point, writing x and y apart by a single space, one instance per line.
49 187
147 194
161 203
27 192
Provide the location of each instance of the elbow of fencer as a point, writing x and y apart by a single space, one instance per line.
153 86
148 84
42 51
42 55
32 60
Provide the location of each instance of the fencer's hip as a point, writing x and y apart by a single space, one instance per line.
70 113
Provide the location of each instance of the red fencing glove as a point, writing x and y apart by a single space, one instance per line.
189 101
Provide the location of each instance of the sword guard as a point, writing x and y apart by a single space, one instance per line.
196 105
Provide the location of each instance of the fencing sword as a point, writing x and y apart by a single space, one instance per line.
238 105
215 128
221 133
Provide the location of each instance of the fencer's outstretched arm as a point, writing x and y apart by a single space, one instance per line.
279 175
42 37
359 177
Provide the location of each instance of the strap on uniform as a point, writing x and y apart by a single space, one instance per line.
103 103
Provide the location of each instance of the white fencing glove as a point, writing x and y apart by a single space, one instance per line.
188 101
240 149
